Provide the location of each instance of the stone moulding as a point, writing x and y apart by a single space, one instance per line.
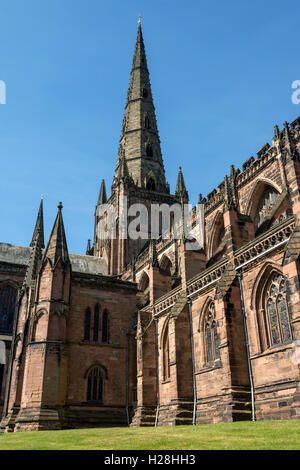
267 242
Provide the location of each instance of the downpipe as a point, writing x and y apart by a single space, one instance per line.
127 377
189 302
239 276
157 371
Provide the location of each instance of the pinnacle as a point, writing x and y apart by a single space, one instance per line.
102 199
35 260
88 248
57 244
153 253
180 188
123 170
39 226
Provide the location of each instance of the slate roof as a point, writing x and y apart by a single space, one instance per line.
20 255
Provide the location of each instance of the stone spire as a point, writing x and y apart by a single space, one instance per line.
181 191
139 142
39 227
37 244
102 199
57 245
34 261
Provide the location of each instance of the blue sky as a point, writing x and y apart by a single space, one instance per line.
221 75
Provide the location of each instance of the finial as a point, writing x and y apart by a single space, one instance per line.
276 131
42 196
201 199
140 20
60 206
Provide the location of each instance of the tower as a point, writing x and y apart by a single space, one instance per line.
24 306
37 387
139 175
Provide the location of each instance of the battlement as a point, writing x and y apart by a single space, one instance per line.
252 165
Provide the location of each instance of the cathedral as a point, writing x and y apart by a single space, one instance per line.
143 331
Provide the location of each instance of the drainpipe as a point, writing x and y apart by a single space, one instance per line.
239 276
157 371
189 302
127 373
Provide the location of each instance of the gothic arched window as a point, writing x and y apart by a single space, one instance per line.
7 309
211 336
95 384
149 150
96 323
166 354
105 327
147 122
279 328
87 324
151 184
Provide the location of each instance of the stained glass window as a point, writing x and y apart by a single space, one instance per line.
211 336
166 355
7 309
274 329
283 316
209 344
216 342
276 307
95 385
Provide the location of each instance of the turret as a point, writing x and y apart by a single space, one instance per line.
47 329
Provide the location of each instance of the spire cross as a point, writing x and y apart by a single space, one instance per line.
140 19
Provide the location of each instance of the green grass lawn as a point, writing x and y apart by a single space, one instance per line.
280 435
